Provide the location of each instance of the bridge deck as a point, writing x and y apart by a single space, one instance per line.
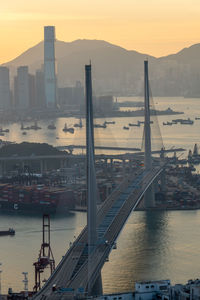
73 271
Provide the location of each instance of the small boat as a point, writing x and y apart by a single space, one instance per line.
24 128
66 129
142 122
35 126
100 125
51 126
10 231
168 123
177 121
187 122
133 124
80 124
126 128
4 130
109 122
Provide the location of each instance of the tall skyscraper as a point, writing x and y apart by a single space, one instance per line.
5 101
49 66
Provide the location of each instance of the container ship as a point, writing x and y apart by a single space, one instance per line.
35 199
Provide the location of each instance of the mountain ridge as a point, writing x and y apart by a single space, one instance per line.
118 70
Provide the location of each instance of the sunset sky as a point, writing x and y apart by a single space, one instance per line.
156 27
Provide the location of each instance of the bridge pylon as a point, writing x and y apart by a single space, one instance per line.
91 182
149 197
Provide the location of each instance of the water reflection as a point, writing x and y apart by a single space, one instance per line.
142 248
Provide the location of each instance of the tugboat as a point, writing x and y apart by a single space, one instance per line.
51 126
70 129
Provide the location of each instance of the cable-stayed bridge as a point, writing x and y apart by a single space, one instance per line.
80 269
73 271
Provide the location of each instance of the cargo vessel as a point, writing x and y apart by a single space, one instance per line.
10 231
35 199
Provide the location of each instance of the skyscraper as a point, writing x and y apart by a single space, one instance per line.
39 87
49 66
22 88
5 101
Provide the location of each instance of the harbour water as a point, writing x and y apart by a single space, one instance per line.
153 245
177 135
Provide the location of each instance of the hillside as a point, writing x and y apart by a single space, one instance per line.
117 70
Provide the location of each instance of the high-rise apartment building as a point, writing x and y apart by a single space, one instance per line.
39 89
5 94
49 66
22 88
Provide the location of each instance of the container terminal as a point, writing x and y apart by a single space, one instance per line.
36 183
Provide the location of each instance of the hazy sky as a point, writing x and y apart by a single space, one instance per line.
156 27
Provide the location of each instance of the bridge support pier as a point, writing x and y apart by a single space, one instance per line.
162 181
149 197
98 287
156 187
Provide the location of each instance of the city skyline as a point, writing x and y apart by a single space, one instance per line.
154 28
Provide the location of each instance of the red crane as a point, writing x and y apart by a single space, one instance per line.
45 258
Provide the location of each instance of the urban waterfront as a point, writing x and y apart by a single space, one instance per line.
152 245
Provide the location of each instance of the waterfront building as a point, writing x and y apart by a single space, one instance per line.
49 66
5 94
32 98
72 97
104 104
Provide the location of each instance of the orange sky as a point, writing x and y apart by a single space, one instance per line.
156 27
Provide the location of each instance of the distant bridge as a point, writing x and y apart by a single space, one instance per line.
71 147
